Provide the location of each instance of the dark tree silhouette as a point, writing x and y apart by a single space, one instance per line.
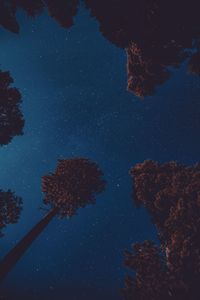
10 209
170 193
8 9
63 11
156 35
152 281
75 183
143 73
11 118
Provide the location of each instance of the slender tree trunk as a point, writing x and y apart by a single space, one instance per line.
9 261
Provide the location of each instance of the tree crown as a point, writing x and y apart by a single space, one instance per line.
75 183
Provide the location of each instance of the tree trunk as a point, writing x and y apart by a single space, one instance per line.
9 261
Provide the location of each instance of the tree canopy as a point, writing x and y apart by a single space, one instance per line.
157 36
152 279
10 208
170 193
11 118
74 184
63 11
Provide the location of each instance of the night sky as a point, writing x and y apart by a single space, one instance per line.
75 103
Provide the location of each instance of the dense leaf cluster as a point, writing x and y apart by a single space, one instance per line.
75 183
157 35
11 118
153 280
171 194
10 208
143 73
62 11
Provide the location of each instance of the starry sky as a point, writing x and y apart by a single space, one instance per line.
75 103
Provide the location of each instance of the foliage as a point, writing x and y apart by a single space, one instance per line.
11 118
143 73
74 184
153 280
10 208
157 36
62 11
171 194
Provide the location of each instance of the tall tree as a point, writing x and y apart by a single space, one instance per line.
11 118
74 184
170 193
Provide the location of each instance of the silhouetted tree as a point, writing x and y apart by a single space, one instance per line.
10 209
63 11
143 73
75 183
171 194
7 17
11 118
156 35
152 280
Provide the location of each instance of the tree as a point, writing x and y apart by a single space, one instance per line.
156 35
153 280
10 209
63 11
143 73
74 184
170 193
11 118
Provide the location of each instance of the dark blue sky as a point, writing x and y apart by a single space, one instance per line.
75 103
